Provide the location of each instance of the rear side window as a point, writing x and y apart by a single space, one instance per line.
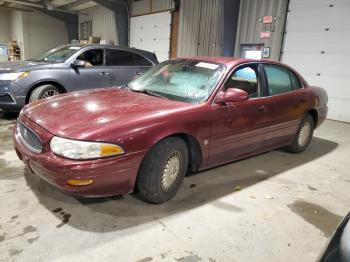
141 61
120 58
279 80
296 84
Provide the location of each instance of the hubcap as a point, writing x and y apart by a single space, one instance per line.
171 170
49 93
304 134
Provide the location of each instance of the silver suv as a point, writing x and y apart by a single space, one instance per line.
69 68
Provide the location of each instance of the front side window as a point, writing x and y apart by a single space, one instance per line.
120 58
279 80
245 78
92 57
181 80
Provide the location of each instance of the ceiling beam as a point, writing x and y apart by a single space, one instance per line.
74 4
25 3
17 8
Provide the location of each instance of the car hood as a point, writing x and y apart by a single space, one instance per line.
22 66
80 115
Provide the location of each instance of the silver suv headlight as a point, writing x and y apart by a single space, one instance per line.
74 149
13 76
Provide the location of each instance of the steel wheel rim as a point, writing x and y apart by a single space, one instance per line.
304 134
171 170
49 93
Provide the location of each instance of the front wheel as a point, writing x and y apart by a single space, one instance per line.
303 136
43 91
162 170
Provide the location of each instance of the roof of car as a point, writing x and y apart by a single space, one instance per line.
229 61
145 53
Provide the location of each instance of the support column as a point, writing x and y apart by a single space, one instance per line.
229 22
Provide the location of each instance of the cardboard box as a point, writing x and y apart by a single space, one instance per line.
94 39
106 42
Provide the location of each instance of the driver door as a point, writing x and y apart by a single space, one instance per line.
93 75
239 128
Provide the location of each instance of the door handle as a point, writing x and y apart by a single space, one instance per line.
138 73
261 108
104 73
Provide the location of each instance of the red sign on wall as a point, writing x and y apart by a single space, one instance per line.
265 34
267 19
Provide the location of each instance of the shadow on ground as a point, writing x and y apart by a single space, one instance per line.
117 213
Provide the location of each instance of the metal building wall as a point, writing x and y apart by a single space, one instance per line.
150 6
250 25
160 5
103 22
199 28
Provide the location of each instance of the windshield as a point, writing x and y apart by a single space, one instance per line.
181 80
58 54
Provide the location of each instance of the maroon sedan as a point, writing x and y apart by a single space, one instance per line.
183 114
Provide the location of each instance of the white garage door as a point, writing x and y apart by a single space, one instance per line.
152 33
317 44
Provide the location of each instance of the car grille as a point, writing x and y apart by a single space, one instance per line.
6 98
29 138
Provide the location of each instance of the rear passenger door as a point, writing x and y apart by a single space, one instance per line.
124 66
287 103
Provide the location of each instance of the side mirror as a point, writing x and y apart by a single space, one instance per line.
78 63
232 95
137 75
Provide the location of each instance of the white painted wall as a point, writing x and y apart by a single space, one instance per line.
42 32
5 26
5 29
103 22
17 30
34 32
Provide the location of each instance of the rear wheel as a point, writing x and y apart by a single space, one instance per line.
162 170
43 91
303 136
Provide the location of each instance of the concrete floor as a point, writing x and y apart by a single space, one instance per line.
287 209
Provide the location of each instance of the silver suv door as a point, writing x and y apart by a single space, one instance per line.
124 66
93 74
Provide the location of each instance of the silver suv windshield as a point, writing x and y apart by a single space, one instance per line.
188 81
58 54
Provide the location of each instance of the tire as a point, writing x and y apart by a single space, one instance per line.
306 127
162 171
43 91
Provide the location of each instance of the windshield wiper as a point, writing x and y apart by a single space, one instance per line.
125 86
148 92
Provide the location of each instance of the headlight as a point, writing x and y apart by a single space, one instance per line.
13 76
74 149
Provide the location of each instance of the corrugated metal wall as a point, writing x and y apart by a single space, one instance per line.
149 6
103 22
199 28
250 26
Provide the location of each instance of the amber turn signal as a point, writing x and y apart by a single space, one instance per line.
108 150
80 182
